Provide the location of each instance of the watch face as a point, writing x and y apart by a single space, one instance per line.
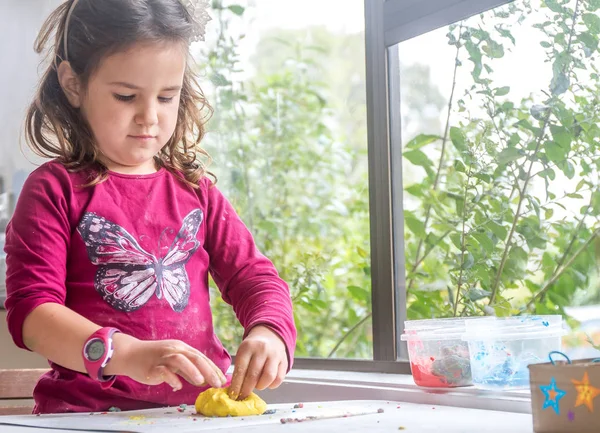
95 350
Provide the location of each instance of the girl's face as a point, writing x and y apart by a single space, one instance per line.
131 104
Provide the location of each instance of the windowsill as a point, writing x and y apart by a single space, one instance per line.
317 385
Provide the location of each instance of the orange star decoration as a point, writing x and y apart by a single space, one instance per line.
586 393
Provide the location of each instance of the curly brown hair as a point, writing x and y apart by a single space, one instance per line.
96 29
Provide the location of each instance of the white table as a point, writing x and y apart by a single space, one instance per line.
364 417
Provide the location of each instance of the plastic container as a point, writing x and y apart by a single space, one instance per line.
438 356
501 349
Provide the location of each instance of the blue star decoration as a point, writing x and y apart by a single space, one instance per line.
553 396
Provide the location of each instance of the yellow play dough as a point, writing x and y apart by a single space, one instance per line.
216 402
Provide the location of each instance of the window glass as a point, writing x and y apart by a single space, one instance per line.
501 159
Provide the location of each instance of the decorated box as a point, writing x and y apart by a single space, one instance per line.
565 396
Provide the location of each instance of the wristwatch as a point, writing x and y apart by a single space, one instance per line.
97 351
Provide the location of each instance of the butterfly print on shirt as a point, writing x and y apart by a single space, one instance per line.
127 275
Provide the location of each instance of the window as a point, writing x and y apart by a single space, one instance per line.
499 129
289 144
331 120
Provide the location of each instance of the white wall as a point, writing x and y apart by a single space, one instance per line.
20 21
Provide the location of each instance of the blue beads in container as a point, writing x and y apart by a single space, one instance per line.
501 349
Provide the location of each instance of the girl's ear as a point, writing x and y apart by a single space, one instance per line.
70 83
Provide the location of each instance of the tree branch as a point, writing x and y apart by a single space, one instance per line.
347 334
558 273
440 167
528 178
522 194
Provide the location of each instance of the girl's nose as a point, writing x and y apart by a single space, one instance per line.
147 114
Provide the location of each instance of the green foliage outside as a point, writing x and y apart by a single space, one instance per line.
503 251
299 183
289 144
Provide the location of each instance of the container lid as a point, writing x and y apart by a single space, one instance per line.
432 335
523 335
515 324
448 323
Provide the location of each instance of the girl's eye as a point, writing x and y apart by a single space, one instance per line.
166 100
124 98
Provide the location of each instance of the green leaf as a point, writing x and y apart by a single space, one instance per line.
460 205
468 261
493 49
459 166
516 265
593 5
502 307
539 111
545 44
575 195
562 136
319 303
514 139
416 190
568 169
596 202
508 155
506 34
589 40
549 173
475 294
417 157
533 287
483 274
592 21
456 239
359 293
458 139
518 254
497 229
548 263
414 225
362 252
502 91
560 83
422 140
554 151
525 124
270 227
485 242
554 6
236 9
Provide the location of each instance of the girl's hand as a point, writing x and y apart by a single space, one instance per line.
261 362
155 362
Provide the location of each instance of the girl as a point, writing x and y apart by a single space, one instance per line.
112 242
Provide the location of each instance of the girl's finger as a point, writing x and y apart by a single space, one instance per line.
255 369
268 375
281 372
207 368
164 375
242 359
181 364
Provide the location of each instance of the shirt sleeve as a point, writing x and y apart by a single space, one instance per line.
37 241
246 278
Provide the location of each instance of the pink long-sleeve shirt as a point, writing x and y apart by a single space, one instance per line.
135 253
